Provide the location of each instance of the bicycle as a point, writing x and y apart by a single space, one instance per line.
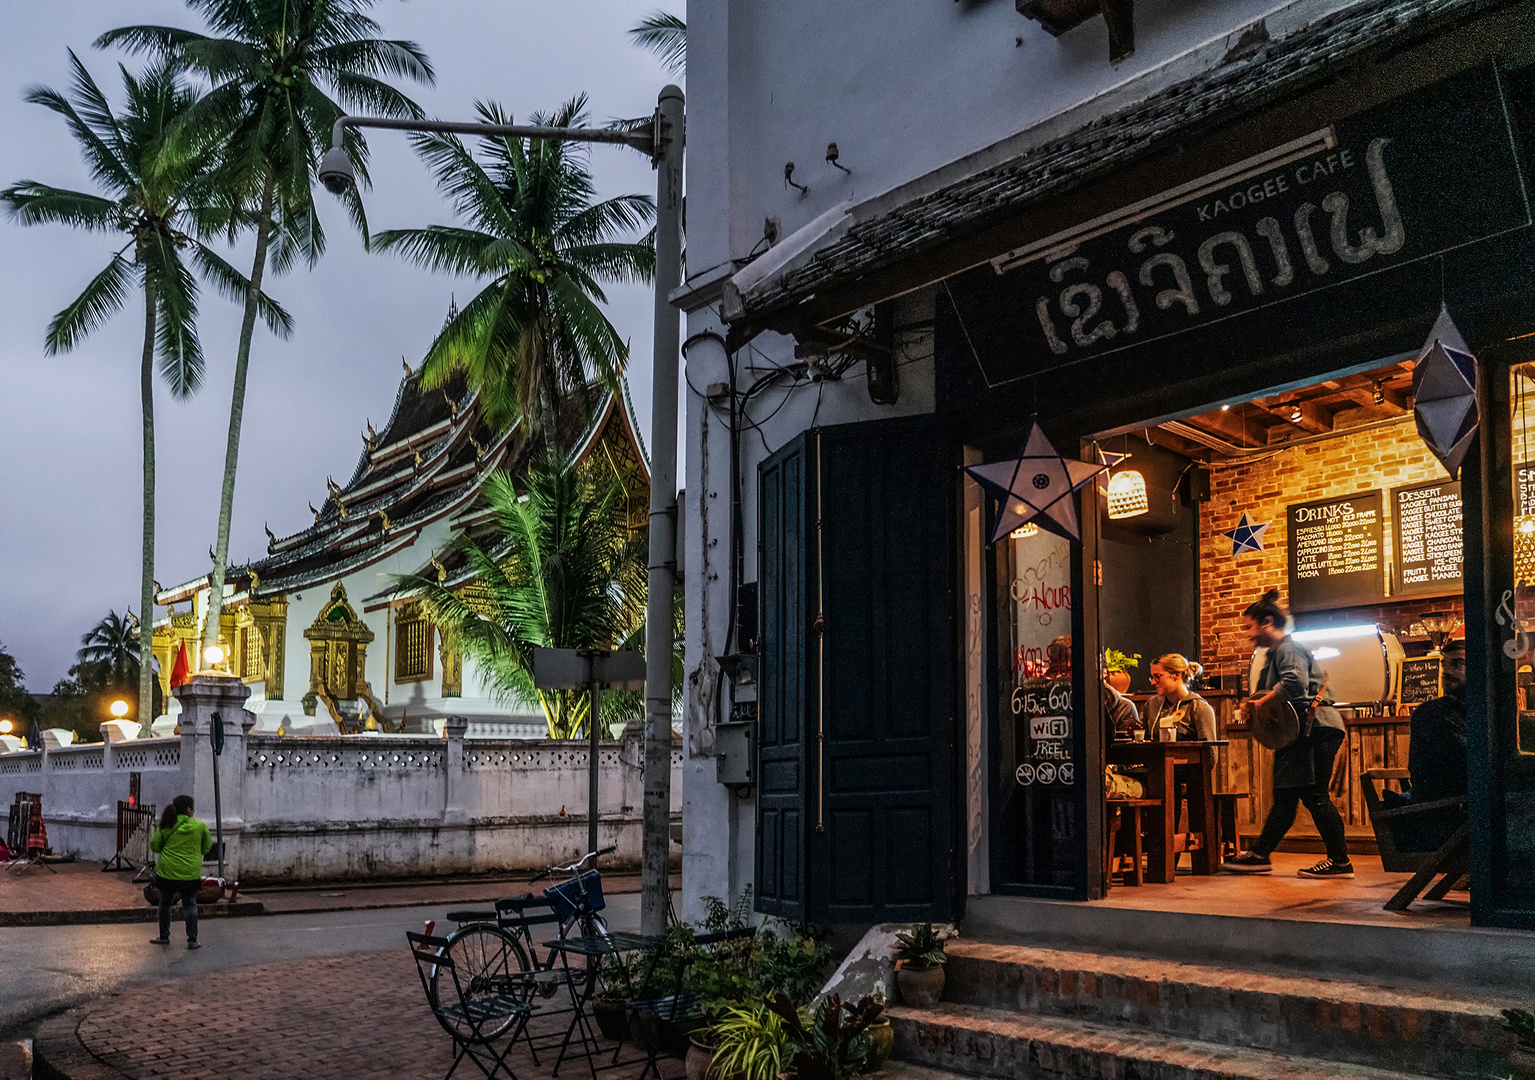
499 958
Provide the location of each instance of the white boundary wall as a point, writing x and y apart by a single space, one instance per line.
306 808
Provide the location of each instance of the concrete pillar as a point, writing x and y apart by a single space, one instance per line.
201 697
454 729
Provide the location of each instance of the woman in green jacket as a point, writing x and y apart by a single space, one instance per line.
181 841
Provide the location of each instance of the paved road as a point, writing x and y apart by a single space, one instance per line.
48 968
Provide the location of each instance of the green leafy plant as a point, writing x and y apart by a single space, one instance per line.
614 980
1520 1023
749 1039
1114 660
792 964
921 947
726 973
835 1043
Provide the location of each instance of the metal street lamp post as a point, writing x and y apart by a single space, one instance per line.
662 141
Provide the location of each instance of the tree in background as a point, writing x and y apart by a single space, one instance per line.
162 201
271 63
560 566
16 705
107 649
535 335
665 35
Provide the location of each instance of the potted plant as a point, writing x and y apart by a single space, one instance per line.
881 1035
1117 665
610 1004
1520 1023
919 966
748 1043
835 1044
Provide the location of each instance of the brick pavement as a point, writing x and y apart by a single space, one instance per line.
336 1017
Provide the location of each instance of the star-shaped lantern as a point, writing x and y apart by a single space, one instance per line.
1248 535
1036 486
1444 394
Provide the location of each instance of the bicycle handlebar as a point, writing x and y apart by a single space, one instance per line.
575 867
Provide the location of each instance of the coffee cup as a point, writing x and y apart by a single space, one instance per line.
1138 735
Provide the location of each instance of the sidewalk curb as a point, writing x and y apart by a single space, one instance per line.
58 1053
145 914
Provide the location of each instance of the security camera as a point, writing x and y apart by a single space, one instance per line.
336 171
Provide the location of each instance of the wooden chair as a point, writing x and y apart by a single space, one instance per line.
1400 853
1127 837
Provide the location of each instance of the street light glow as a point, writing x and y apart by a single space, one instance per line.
213 656
119 708
6 727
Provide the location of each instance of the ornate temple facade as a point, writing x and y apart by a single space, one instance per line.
315 628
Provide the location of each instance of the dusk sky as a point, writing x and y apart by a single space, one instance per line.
70 489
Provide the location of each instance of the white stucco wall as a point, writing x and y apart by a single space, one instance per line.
915 96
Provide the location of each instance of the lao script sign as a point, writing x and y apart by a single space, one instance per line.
1341 203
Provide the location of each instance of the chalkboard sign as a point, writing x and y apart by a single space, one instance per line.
1428 538
1336 552
1419 682
1524 489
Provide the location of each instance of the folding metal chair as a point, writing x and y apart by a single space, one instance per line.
469 1019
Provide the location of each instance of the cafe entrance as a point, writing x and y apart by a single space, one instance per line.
1254 422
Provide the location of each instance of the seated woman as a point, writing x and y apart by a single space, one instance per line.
1174 706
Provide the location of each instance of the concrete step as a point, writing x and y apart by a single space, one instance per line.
974 1041
1430 1032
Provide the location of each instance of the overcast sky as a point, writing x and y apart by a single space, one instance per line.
69 425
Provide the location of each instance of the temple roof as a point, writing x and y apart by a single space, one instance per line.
427 463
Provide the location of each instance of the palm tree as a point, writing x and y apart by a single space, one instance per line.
109 647
161 202
562 566
270 66
665 35
535 335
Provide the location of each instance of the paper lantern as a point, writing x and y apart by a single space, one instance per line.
1127 495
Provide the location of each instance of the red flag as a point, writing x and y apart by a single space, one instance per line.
183 669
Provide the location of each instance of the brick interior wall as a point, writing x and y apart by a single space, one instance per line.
1380 458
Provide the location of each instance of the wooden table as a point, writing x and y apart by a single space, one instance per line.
1159 759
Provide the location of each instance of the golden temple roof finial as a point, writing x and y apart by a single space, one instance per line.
313 511
406 365
383 516
271 537
442 571
371 439
479 451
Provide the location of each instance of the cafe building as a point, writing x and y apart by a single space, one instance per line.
1269 326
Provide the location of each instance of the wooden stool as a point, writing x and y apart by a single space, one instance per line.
1226 815
1129 811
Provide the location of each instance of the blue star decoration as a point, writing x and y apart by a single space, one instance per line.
1036 486
1247 536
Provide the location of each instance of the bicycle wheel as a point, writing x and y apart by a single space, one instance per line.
492 967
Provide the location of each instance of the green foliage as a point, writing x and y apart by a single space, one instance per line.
16 704
109 653
1114 660
835 1043
535 336
559 565
793 964
665 35
1521 1024
921 947
749 1041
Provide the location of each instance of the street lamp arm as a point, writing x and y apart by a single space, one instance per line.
642 139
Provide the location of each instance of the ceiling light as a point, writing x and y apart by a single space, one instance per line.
1295 413
1225 408
1127 495
1378 393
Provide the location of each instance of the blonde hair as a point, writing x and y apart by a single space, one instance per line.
1175 664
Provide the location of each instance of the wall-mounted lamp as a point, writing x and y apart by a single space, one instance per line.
1127 495
1378 393
831 158
1295 413
788 180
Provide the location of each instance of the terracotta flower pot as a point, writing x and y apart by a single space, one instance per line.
921 988
1119 680
612 1016
699 1062
881 1043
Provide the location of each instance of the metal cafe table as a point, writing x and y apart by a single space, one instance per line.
583 986
1159 758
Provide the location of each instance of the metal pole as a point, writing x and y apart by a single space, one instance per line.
593 729
216 737
655 885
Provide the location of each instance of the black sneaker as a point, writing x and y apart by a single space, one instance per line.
193 945
1248 863
1328 869
159 941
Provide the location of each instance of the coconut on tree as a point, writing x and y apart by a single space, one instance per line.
160 202
281 71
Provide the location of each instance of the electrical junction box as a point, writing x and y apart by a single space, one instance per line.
733 749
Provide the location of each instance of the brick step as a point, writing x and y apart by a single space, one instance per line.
977 1042
1432 1032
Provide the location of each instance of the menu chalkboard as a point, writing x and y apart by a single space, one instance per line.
1336 552
1420 681
1428 541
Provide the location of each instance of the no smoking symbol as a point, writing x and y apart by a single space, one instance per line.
1025 774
